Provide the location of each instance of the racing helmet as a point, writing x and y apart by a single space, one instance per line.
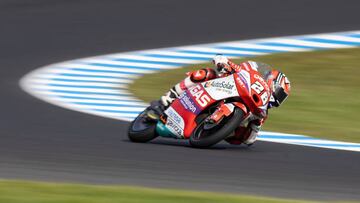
280 86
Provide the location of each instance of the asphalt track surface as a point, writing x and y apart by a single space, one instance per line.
39 141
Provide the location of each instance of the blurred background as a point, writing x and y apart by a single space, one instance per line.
42 142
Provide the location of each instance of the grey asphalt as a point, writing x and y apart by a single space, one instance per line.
39 141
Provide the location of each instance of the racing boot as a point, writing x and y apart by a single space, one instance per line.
154 111
169 97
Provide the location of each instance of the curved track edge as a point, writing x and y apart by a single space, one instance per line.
99 85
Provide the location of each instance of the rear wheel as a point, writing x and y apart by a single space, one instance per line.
206 134
141 129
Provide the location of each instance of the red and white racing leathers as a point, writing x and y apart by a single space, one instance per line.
246 134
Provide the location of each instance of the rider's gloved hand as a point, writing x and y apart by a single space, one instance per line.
222 64
220 60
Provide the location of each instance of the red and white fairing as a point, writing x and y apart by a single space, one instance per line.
248 86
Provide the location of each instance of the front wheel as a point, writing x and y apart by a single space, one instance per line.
203 137
142 130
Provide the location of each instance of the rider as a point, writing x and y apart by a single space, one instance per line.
277 81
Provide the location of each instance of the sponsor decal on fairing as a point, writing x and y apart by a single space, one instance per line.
200 95
174 128
221 88
173 115
188 103
226 85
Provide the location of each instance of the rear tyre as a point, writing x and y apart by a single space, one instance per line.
203 138
142 130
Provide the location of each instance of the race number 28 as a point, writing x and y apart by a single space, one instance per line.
257 87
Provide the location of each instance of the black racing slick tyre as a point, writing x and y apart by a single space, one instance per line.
202 138
141 130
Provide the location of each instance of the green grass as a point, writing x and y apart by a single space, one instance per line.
325 98
39 192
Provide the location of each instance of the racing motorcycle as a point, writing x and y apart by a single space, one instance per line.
208 112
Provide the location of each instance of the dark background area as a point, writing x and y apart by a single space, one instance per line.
44 142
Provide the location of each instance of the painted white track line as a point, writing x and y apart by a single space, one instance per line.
99 85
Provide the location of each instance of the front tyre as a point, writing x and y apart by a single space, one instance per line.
203 137
142 130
